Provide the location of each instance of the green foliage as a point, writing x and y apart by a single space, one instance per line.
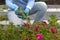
28 31
22 14
3 17
4 7
53 21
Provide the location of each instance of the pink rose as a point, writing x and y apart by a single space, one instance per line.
35 29
39 36
45 22
53 30
27 25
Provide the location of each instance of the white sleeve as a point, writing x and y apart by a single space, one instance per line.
30 4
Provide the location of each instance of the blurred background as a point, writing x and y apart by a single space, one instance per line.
49 2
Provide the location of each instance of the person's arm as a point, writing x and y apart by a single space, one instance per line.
30 4
11 5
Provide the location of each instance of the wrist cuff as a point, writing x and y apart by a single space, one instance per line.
29 7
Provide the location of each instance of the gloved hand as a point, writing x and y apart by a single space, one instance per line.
14 7
27 10
19 11
25 15
21 14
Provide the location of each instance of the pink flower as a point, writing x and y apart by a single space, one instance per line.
39 36
45 22
53 30
35 29
27 25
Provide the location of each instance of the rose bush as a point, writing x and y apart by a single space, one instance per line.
39 30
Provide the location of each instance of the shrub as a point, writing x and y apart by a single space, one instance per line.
37 31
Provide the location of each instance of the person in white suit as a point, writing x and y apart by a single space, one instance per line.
29 7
